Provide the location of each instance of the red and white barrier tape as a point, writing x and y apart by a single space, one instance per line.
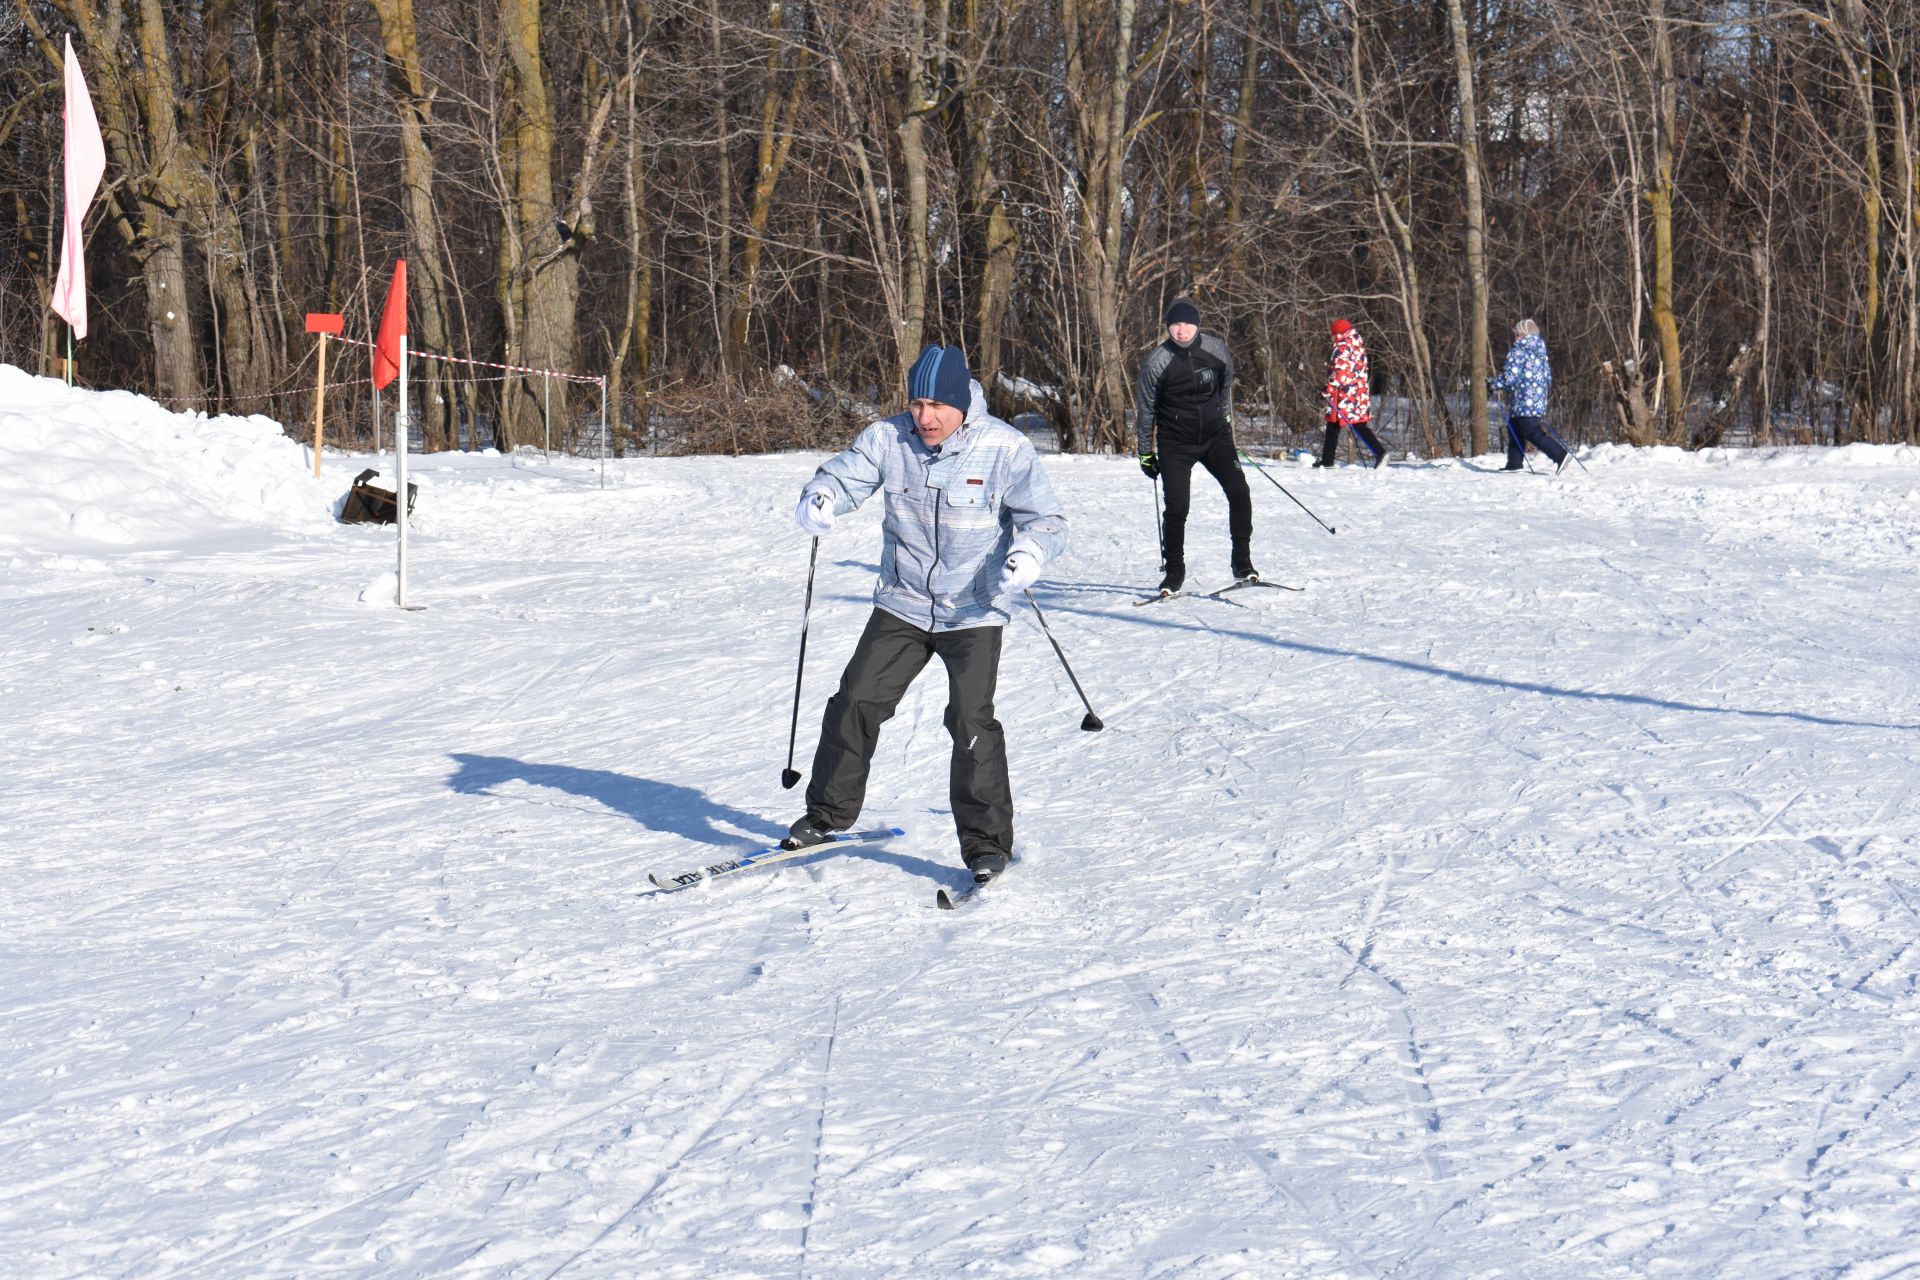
488 364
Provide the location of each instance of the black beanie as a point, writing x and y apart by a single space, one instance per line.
1183 312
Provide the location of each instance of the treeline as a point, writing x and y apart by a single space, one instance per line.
1713 210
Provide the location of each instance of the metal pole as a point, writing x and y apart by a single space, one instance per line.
603 431
1160 524
1090 722
400 471
546 412
1282 488
790 776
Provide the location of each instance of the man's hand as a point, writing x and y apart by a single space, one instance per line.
814 515
1021 571
1150 463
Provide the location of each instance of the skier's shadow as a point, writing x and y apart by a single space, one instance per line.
659 806
1485 681
940 873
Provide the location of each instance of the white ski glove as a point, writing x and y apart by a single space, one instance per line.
1022 568
814 515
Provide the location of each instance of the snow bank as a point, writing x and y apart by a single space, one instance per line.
94 471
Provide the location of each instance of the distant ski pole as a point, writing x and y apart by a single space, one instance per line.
1282 488
1518 443
790 775
1159 524
1092 723
1351 430
1563 444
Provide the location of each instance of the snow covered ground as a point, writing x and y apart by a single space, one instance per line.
1535 895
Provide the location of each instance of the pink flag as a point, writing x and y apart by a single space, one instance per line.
86 156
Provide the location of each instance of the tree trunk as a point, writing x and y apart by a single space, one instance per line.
152 227
540 278
926 61
777 110
426 277
1476 224
1665 326
1100 120
1243 124
1398 232
990 242
636 317
1628 388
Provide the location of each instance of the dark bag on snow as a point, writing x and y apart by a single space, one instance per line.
370 504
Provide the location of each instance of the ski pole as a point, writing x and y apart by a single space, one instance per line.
1092 723
1282 488
1159 524
1563 444
1351 428
1519 444
790 775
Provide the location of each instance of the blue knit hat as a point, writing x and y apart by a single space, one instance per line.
941 374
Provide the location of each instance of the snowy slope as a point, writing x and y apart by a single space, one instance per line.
1534 895
83 471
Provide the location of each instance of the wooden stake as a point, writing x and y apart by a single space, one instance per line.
320 406
323 323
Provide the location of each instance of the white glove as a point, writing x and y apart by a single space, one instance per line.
1021 571
814 515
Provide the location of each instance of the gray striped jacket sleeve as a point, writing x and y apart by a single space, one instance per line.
1150 370
1218 346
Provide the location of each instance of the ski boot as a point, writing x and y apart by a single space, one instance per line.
986 863
807 831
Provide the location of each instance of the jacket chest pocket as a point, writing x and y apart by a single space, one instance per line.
969 495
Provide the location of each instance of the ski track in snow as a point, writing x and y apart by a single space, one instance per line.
1535 894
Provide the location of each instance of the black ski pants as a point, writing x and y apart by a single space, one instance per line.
1532 431
1331 444
890 654
1222 462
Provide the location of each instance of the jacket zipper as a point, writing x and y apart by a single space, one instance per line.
933 620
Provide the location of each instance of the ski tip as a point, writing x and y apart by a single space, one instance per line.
943 900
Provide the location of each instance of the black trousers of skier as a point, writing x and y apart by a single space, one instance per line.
890 654
1534 432
1331 444
1222 462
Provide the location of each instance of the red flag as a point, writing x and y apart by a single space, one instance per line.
393 327
86 157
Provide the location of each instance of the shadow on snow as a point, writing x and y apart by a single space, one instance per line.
659 806
1143 617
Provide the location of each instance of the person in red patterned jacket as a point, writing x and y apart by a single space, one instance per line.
1348 402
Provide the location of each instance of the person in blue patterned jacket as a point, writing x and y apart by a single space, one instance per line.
1526 379
970 520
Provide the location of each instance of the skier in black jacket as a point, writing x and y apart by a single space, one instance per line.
1185 415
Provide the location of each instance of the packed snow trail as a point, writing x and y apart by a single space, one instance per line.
1534 894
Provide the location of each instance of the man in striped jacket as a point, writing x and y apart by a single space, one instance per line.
970 520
